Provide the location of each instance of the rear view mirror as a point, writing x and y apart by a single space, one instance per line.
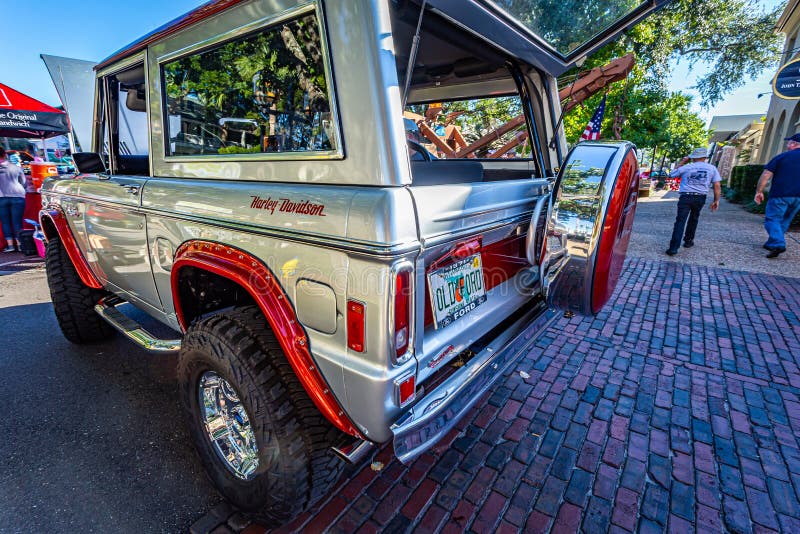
89 162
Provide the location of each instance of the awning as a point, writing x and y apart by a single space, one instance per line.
23 116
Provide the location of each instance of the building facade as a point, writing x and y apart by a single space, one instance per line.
783 117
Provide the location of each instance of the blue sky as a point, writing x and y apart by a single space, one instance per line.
82 29
93 29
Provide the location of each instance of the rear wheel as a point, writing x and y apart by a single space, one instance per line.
261 439
73 301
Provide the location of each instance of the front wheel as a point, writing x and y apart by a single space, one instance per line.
73 301
261 439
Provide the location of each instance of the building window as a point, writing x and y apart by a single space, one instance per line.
265 93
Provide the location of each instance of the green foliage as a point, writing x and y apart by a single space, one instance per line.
566 24
655 118
735 37
233 149
744 180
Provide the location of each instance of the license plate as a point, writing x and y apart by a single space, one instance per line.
456 290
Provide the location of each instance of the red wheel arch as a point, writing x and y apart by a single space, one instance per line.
56 218
250 273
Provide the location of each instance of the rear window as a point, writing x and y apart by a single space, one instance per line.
267 93
483 128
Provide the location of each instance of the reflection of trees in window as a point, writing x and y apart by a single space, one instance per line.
567 24
581 179
264 93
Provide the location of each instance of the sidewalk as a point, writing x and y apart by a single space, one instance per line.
730 238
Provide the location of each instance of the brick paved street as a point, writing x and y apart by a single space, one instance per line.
677 408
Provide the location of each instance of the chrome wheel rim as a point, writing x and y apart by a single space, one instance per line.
227 425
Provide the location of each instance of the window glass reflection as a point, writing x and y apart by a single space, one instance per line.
265 93
568 24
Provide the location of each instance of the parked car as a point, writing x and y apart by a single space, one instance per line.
329 292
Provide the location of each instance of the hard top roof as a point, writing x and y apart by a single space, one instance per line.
210 8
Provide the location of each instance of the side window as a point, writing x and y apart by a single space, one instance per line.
264 93
483 128
125 131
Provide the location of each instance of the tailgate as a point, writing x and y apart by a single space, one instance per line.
457 223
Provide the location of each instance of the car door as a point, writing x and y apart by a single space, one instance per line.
114 223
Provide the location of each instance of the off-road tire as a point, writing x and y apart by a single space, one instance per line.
73 301
296 464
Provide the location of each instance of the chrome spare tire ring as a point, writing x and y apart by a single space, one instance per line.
227 425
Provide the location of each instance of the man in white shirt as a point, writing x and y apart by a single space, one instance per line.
696 179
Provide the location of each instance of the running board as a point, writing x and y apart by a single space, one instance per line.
107 309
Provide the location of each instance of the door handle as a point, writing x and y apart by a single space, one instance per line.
132 189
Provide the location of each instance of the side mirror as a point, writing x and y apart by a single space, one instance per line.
89 163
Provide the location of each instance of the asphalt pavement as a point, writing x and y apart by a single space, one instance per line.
93 438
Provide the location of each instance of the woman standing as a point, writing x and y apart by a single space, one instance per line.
12 201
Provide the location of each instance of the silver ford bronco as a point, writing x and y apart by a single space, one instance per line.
356 215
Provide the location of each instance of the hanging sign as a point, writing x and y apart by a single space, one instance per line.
787 82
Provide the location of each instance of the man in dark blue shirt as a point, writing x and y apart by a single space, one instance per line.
784 195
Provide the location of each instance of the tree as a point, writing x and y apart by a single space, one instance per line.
735 37
655 118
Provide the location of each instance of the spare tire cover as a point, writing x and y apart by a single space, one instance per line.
589 225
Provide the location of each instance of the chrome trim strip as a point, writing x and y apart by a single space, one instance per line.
106 309
129 61
350 246
441 409
455 236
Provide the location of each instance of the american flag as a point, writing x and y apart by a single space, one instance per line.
592 131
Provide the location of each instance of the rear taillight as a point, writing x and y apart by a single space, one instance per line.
402 311
356 319
406 390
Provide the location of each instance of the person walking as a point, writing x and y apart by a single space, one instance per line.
784 195
12 201
696 179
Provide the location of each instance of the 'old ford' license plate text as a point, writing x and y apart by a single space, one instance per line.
456 290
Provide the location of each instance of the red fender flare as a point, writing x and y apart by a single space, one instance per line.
59 222
250 273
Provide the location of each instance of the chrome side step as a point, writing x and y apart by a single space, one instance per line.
354 452
107 309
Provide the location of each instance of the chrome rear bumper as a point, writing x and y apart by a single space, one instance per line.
440 409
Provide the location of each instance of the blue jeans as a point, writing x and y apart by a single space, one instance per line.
779 214
11 211
689 207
